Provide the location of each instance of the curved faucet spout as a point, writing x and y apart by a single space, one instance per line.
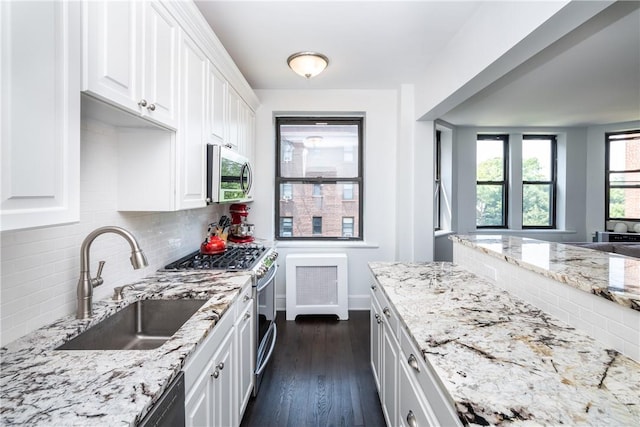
85 282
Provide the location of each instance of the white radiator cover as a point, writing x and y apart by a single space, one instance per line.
317 284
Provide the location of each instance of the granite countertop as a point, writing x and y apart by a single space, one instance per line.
503 361
611 276
43 386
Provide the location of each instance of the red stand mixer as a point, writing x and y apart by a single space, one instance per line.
240 231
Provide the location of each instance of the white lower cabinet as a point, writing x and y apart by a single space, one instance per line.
219 375
410 392
245 349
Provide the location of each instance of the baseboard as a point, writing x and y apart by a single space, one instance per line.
356 302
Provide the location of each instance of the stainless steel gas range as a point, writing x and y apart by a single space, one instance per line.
260 261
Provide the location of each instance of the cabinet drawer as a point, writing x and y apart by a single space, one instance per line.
244 299
424 378
389 315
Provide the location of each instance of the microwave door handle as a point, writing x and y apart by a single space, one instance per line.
245 186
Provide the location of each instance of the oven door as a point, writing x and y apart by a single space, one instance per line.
266 330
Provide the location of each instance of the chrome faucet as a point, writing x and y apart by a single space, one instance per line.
86 283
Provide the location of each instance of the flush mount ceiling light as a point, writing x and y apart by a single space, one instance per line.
308 64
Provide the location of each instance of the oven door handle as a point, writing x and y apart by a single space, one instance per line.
273 270
270 353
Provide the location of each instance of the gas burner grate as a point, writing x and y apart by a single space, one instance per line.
236 258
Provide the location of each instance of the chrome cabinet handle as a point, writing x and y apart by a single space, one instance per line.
386 311
142 103
413 362
411 419
151 107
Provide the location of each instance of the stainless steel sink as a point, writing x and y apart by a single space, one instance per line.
143 325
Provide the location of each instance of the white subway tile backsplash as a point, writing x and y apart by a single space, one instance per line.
40 267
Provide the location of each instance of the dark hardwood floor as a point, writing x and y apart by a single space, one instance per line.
319 375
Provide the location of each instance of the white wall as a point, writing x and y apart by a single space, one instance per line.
40 267
595 209
380 145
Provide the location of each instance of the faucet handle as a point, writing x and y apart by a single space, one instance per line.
98 280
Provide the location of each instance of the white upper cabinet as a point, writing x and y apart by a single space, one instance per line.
131 57
191 134
217 107
111 52
160 83
39 113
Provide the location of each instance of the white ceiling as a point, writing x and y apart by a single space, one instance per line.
591 76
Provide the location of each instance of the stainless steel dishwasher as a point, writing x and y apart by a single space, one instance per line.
168 411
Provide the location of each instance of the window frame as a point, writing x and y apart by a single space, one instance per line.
315 120
437 220
608 172
552 182
505 176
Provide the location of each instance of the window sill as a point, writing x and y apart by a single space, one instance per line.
442 233
332 244
522 231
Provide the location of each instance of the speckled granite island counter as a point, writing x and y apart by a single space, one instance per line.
503 361
47 387
593 291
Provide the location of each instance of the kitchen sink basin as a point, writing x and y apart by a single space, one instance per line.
143 325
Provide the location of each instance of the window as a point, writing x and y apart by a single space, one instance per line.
347 191
286 226
437 184
491 181
347 226
622 175
324 173
317 224
287 191
538 181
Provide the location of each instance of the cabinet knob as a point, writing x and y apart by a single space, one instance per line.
246 298
378 319
386 311
413 362
220 366
151 107
411 419
373 287
215 374
247 315
142 103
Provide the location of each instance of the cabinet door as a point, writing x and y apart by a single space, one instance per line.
191 134
244 357
390 349
233 119
112 51
40 113
376 336
217 104
160 74
198 406
413 407
222 390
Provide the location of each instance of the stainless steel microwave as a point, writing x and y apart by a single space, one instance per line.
229 176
